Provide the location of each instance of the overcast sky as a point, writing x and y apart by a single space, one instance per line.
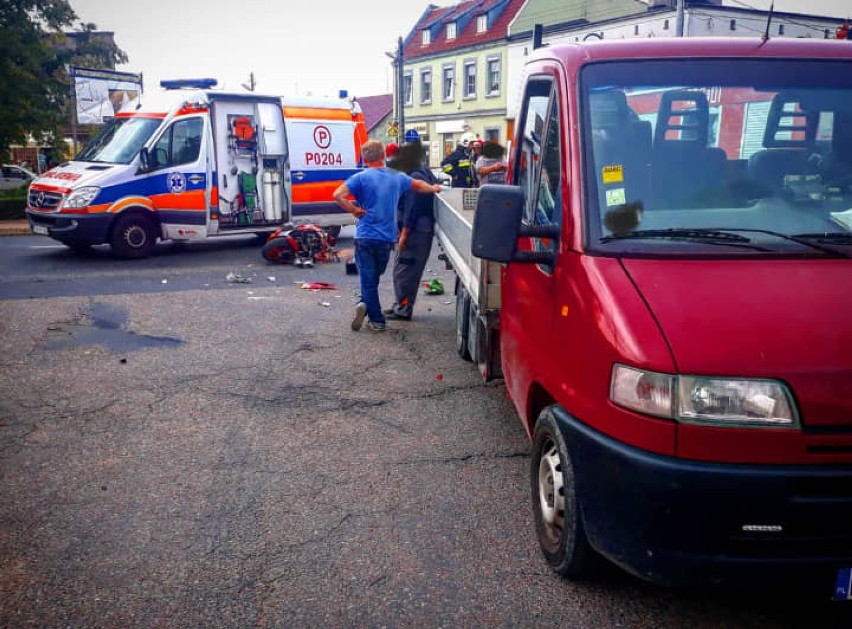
296 47
299 47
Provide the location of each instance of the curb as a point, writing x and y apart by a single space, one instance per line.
15 228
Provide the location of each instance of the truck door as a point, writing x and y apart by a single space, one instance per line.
177 180
530 296
252 163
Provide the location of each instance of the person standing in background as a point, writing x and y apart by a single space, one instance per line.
458 165
416 221
377 191
491 166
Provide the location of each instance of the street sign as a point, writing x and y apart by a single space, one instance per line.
412 136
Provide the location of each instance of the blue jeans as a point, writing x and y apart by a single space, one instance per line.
372 257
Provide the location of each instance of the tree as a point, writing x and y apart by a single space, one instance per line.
34 56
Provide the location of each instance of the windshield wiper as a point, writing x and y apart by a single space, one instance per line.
713 236
812 240
834 238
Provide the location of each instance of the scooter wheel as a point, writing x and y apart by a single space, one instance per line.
278 250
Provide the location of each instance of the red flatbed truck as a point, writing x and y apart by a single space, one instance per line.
666 286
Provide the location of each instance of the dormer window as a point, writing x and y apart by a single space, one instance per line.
451 30
427 37
482 23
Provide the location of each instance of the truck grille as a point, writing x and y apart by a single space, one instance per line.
42 200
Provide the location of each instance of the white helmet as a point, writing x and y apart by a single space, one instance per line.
467 138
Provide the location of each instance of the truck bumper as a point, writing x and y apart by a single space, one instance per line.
692 523
71 229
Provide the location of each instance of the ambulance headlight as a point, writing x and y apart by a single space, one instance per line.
709 401
82 197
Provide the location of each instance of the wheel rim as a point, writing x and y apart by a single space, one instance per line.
135 236
551 495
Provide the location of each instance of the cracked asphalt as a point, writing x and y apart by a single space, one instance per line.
237 457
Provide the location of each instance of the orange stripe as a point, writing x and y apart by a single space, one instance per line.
128 201
189 200
312 192
317 112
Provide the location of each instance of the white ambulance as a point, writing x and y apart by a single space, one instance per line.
190 163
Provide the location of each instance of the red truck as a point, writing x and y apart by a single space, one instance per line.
666 286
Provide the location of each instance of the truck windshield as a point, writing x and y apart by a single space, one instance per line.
119 141
680 154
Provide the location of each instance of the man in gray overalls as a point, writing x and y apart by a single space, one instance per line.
416 222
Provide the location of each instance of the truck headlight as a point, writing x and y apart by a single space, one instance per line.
704 400
81 198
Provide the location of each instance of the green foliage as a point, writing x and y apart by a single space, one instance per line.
34 55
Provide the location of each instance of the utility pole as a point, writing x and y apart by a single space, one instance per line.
679 22
400 67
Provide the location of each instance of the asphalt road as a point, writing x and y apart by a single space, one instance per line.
202 453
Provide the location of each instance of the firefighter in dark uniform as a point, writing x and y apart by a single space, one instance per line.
459 164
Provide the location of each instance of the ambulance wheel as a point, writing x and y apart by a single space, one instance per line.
333 231
462 321
556 505
278 250
133 236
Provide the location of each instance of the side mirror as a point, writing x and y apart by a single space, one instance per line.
497 221
497 227
143 158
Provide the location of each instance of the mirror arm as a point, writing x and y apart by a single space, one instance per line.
540 231
535 257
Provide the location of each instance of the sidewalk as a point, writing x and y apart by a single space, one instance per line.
15 227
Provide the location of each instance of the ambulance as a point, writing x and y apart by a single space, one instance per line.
189 163
325 136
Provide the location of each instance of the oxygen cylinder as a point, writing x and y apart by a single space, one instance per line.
272 195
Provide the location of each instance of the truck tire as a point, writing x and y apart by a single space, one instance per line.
462 321
278 250
133 236
556 505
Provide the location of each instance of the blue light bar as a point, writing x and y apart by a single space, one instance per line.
180 84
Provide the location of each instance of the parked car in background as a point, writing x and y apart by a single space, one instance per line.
15 177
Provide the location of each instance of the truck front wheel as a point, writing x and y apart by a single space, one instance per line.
134 236
556 506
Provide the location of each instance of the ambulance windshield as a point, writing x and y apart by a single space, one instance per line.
119 141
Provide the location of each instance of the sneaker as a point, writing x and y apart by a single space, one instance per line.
397 317
358 319
376 327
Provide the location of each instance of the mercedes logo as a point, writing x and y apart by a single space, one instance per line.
39 199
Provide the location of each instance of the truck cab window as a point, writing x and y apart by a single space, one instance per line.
180 144
539 171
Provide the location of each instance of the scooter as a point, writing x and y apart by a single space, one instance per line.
301 245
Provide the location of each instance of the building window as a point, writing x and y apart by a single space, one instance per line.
494 79
733 25
449 83
406 88
636 29
451 30
780 29
665 25
492 135
482 23
470 79
427 37
426 86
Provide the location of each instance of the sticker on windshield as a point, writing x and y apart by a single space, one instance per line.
615 196
613 173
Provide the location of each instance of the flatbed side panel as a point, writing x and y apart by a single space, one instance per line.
454 227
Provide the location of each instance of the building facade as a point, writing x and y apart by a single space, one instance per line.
454 71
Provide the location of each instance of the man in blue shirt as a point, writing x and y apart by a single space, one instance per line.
377 191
